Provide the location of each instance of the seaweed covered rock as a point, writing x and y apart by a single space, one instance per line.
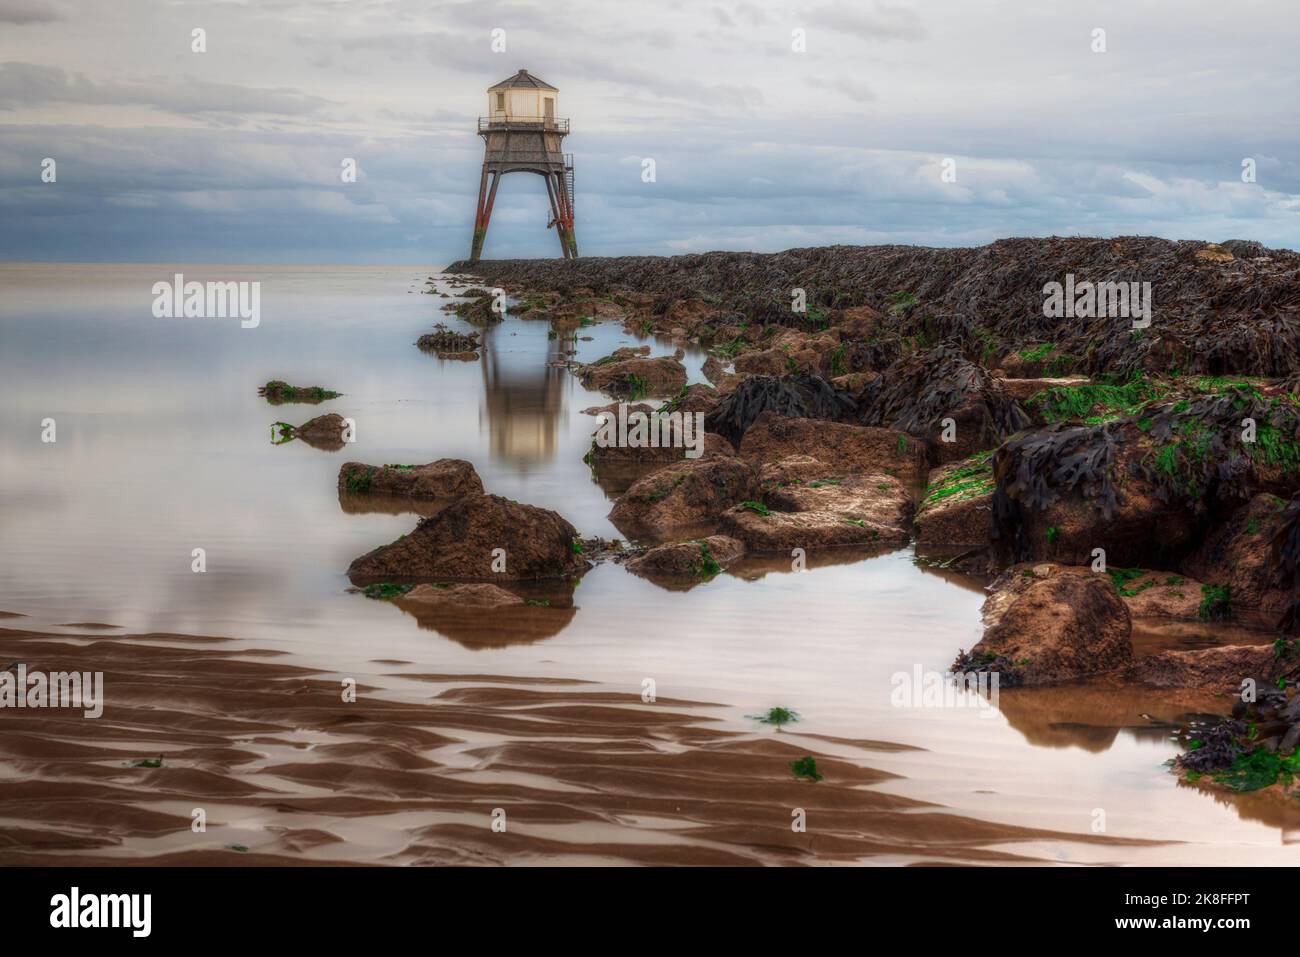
696 559
844 448
476 307
445 478
448 344
940 396
855 510
636 377
1238 555
957 510
1209 314
278 392
1143 487
684 496
1062 492
464 543
1053 629
798 396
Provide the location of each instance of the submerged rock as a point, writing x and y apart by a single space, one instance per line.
445 478
462 543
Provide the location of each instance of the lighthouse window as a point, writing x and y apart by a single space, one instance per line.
501 101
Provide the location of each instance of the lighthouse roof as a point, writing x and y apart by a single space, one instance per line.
522 80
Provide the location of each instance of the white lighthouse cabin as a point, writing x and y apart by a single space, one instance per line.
523 100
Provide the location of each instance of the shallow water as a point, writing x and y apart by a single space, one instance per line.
164 446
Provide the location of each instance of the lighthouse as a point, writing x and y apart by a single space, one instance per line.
522 133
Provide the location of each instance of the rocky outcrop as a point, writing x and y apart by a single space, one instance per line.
1208 315
1053 629
855 510
443 479
846 448
687 495
1144 486
463 543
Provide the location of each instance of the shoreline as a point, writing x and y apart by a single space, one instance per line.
304 778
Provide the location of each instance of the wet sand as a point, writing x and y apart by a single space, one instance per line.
283 766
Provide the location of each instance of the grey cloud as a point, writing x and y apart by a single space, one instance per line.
21 12
25 85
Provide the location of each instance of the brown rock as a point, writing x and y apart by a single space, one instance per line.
846 448
794 469
445 478
687 559
690 494
856 510
696 398
1056 629
457 545
467 595
1210 669
660 376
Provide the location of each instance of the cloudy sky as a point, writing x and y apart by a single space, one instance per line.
233 155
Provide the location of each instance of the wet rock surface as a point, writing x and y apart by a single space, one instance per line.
635 377
690 494
846 448
854 510
443 479
696 559
461 543
1053 629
